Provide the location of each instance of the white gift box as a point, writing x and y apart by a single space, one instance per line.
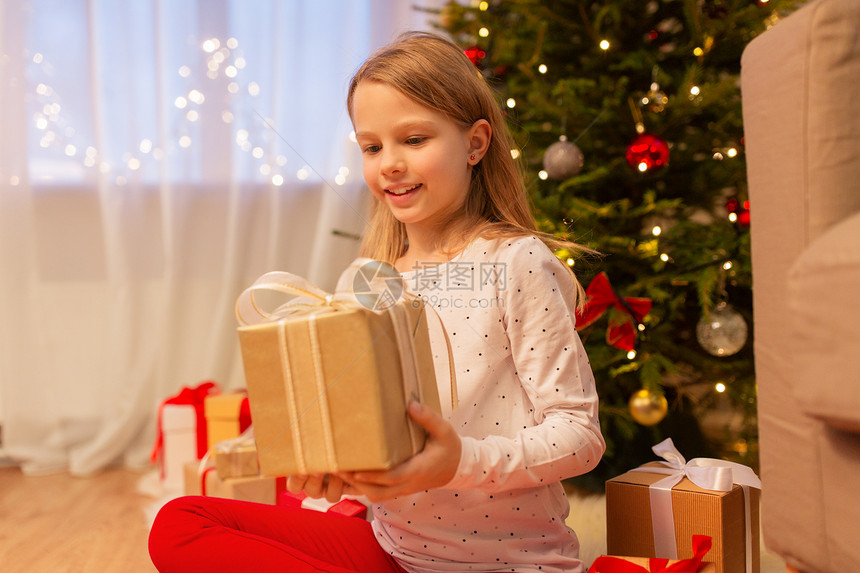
179 428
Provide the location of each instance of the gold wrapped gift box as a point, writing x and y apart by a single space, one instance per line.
236 458
259 489
718 514
329 390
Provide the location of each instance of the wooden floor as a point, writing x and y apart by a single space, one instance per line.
60 523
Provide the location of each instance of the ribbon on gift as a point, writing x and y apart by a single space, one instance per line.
608 564
707 473
192 397
599 297
311 301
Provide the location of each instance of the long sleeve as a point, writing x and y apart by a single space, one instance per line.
547 357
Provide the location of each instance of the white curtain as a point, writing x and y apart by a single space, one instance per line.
155 157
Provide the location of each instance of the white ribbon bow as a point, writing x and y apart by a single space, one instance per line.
309 298
707 473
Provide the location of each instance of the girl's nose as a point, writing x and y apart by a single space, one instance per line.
392 163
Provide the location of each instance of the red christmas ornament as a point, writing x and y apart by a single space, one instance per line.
741 212
648 153
475 55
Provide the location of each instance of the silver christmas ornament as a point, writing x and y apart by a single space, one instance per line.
723 332
562 159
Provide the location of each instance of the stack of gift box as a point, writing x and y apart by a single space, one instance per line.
679 516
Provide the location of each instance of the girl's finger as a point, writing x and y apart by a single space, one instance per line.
334 489
296 483
314 486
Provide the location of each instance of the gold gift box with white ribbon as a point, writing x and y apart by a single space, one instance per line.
329 380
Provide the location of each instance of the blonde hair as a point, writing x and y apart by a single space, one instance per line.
435 73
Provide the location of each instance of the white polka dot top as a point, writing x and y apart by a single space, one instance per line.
527 416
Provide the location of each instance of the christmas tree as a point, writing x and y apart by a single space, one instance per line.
627 116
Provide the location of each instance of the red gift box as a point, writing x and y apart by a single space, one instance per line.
348 507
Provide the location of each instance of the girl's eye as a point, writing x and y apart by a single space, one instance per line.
371 149
415 140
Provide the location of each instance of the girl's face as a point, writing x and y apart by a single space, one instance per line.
416 160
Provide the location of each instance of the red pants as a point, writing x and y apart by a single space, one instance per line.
212 534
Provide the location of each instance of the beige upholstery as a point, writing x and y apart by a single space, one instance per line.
800 81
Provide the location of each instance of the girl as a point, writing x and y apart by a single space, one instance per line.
451 214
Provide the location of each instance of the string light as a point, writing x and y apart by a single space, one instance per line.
511 103
727 265
656 230
277 180
543 175
604 45
185 142
631 355
732 152
570 262
695 90
697 51
641 327
484 32
733 217
664 257
515 153
483 6
720 387
302 174
542 68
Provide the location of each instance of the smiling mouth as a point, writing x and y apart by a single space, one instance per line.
403 190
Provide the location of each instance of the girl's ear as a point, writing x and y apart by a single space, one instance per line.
479 137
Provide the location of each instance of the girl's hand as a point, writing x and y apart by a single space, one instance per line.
328 486
432 467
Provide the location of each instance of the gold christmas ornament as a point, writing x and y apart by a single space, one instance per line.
647 407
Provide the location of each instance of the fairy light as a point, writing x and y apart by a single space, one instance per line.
542 68
656 230
192 115
543 175
227 116
483 6
484 32
145 146
277 180
733 217
184 71
253 89
698 51
233 88
71 150
732 152
239 62
232 43
37 58
231 71
302 174
604 45
643 167
640 327
515 153
211 45
281 160
727 265
41 123
180 102
196 96
695 90
185 142
340 179
720 387
257 152
265 169
133 163
570 262
631 355
664 257
343 171
511 103
718 155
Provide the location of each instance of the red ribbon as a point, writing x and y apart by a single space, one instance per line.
244 415
599 297
192 397
701 545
